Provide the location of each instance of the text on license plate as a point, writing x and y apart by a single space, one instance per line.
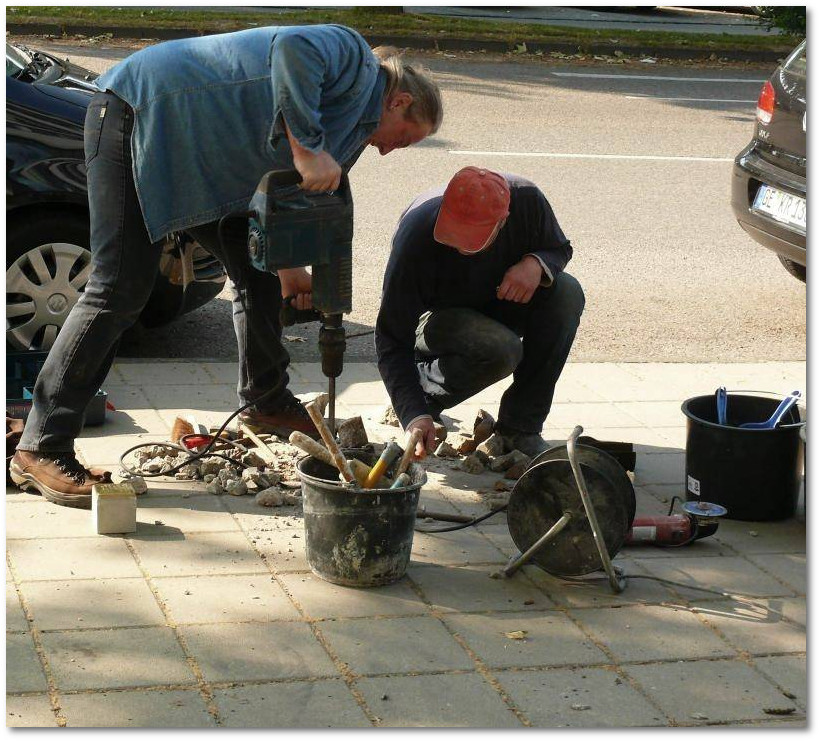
784 207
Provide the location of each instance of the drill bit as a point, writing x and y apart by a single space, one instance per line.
331 405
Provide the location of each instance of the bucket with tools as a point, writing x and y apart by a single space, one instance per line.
743 451
357 537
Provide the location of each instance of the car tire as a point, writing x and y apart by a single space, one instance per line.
795 268
47 267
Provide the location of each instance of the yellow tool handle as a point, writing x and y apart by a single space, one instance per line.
338 459
389 454
360 470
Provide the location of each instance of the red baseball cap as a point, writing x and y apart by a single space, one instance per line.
474 203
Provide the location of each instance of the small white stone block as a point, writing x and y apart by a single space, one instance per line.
114 508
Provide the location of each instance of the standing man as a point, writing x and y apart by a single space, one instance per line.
475 290
178 138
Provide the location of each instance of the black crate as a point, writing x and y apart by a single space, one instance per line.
22 370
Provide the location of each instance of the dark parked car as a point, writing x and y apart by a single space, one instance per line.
769 181
47 221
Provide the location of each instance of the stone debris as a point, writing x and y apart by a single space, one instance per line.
483 426
504 462
502 485
441 432
271 497
516 471
445 450
187 472
517 635
466 444
258 479
319 398
472 464
237 488
211 465
389 417
215 487
493 446
252 458
351 433
580 706
137 483
483 457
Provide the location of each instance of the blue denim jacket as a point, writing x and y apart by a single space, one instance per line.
208 113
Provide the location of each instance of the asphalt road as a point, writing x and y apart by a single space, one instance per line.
636 161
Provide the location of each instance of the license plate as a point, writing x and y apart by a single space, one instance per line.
783 207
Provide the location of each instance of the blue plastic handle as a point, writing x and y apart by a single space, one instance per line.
722 400
779 413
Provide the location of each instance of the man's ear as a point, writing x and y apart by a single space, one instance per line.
400 100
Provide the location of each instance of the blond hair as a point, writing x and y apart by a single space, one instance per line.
416 80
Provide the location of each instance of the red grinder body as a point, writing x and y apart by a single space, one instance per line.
661 530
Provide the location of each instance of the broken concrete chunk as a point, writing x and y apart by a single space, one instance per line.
252 458
210 465
493 446
260 479
271 497
352 434
472 464
441 432
215 487
502 485
503 462
187 472
389 417
483 426
237 488
483 457
465 444
137 483
445 450
516 471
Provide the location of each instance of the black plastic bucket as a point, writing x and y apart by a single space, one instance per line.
357 538
755 474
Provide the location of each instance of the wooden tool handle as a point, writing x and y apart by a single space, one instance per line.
409 452
311 447
338 459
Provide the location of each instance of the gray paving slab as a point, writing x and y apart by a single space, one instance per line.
526 639
751 538
104 659
652 633
38 518
252 516
15 617
321 599
323 703
136 709
24 673
708 692
204 513
729 574
96 557
240 652
31 711
754 628
579 698
198 553
284 550
458 548
660 468
224 599
395 645
789 568
437 701
470 589
789 673
92 603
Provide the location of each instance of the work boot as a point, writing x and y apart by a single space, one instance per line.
292 417
528 443
59 477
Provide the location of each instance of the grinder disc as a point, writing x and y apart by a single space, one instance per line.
544 493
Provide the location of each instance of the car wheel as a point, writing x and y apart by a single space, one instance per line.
795 268
47 267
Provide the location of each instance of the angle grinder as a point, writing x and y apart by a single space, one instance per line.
291 228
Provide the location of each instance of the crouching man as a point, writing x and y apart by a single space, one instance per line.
475 290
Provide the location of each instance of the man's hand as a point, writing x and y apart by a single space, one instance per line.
521 280
428 436
320 172
297 282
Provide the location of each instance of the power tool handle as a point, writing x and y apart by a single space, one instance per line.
290 315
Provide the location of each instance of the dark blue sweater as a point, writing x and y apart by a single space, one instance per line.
423 275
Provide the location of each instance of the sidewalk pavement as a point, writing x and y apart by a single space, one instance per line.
209 615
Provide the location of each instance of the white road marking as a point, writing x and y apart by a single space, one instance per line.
694 100
656 77
566 155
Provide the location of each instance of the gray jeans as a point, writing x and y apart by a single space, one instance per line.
124 265
463 351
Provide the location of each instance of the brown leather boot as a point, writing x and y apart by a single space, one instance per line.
59 477
290 418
